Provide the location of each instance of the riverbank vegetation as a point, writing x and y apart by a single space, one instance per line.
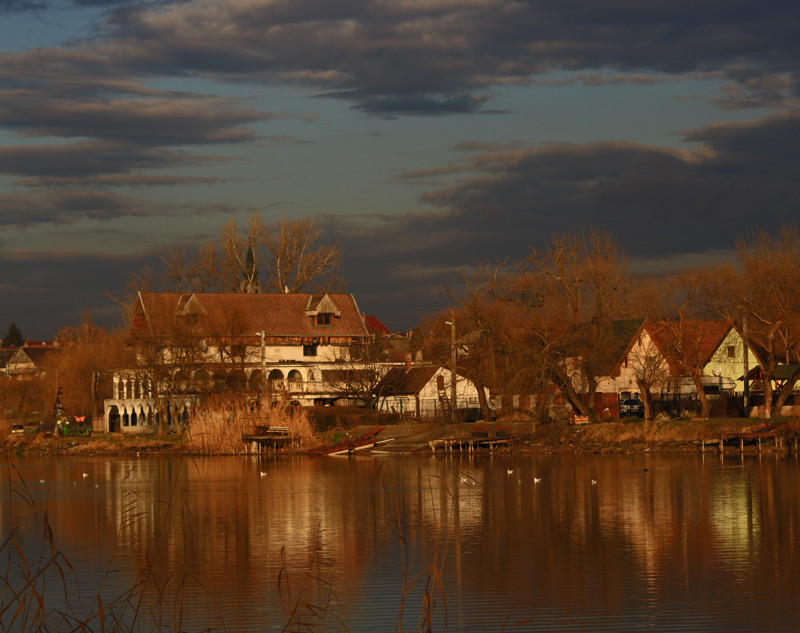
220 433
219 423
551 322
544 330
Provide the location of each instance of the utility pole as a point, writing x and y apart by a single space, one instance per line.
263 363
745 356
452 368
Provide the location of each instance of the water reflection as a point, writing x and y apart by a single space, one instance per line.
573 543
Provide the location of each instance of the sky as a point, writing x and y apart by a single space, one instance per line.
423 137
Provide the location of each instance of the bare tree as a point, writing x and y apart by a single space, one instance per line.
584 281
284 258
553 317
297 262
86 353
762 296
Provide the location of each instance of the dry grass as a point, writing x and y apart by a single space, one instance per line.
216 426
667 431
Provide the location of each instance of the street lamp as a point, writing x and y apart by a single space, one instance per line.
452 324
263 334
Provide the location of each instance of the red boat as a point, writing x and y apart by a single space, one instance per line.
348 447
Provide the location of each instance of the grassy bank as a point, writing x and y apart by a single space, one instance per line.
218 434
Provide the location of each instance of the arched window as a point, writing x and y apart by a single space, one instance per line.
275 380
256 379
295 380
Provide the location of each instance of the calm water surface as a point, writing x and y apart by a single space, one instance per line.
601 543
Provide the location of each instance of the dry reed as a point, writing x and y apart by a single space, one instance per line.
217 426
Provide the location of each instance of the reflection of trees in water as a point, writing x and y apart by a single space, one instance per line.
651 526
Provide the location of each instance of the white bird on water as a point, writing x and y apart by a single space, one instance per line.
85 475
537 480
594 482
263 474
510 471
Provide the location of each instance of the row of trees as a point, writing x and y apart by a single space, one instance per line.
524 327
552 318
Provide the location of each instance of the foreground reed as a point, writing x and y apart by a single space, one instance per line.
216 426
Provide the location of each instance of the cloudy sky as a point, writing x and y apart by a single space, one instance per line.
422 136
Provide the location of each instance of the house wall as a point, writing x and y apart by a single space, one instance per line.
429 404
730 366
643 359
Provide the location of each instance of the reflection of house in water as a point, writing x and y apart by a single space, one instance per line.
191 345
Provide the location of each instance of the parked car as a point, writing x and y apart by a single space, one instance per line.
631 406
17 428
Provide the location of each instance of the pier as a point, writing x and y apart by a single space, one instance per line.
267 438
479 440
740 439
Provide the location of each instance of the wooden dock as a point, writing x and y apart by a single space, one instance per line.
743 438
471 444
268 438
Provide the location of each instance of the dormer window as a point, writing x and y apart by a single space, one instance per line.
322 310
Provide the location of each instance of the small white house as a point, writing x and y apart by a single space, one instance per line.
424 392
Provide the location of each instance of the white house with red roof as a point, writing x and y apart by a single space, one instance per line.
188 344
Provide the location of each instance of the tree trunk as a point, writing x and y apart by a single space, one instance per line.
482 399
705 406
647 398
787 389
565 386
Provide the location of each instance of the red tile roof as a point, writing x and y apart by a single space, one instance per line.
375 326
278 315
697 339
400 381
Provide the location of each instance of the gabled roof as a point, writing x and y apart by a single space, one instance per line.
698 339
375 326
619 338
402 381
277 315
38 354
611 342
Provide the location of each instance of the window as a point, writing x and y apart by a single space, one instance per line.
325 318
731 351
309 350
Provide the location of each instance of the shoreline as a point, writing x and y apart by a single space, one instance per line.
669 436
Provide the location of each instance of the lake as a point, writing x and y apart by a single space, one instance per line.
392 543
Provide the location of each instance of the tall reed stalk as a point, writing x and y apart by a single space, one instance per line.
216 426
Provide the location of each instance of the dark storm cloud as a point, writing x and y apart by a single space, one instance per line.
699 199
659 203
42 292
73 160
416 56
15 6
63 206
168 120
